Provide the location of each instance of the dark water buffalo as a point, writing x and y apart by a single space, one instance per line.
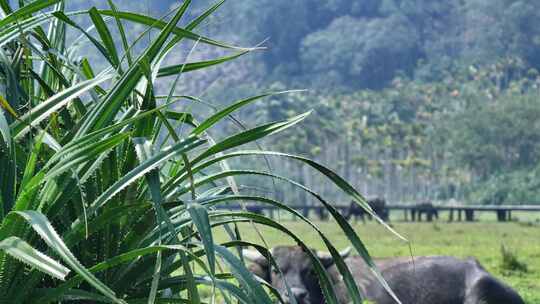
377 204
322 214
430 280
426 208
257 209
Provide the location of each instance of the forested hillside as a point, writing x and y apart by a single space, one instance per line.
365 44
413 99
473 137
350 45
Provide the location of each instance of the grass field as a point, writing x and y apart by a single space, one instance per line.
482 240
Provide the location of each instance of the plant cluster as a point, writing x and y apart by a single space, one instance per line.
110 194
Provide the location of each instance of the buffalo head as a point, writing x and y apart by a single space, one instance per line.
297 272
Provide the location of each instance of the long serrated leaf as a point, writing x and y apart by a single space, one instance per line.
325 283
99 134
338 180
43 227
5 8
23 252
342 222
197 21
185 33
193 66
124 258
33 117
252 135
246 278
122 32
345 272
143 148
51 142
235 141
86 153
33 7
105 35
104 112
155 280
182 117
205 125
9 33
31 161
102 49
144 168
199 216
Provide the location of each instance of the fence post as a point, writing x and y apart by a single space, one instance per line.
469 215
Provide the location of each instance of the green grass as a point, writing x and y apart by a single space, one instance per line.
482 240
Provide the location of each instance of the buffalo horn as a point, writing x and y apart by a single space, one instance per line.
254 256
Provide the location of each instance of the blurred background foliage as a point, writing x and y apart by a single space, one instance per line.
437 99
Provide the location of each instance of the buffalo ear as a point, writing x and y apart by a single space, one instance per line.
260 270
259 265
327 260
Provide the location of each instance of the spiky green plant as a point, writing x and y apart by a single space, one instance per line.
102 198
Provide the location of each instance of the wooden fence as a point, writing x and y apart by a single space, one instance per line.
455 212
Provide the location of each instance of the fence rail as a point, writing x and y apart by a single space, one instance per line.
455 212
